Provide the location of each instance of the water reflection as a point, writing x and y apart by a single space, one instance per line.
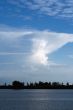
36 100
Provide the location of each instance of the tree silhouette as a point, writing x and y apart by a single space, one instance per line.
17 84
37 85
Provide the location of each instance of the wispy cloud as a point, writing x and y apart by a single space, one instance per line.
13 35
12 53
42 43
6 63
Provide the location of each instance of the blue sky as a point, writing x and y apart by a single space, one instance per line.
36 40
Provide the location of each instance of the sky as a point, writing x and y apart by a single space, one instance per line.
36 40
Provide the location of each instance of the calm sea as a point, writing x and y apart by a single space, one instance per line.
36 99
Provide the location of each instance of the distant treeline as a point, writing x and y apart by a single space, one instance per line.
39 85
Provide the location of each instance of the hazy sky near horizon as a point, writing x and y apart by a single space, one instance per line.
36 40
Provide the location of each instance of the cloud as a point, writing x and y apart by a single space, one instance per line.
46 43
12 53
40 44
58 8
14 35
40 51
7 63
26 54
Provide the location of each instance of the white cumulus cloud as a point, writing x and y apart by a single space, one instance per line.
42 43
45 43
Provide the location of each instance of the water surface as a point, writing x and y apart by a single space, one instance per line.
36 99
